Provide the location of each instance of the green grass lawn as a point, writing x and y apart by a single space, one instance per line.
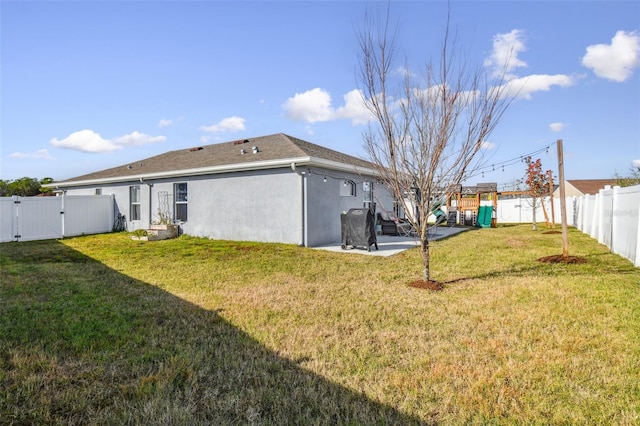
105 330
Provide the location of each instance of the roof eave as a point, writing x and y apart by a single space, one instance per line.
242 167
343 167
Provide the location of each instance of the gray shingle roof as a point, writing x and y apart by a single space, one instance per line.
270 148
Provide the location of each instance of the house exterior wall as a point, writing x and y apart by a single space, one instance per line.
569 191
251 206
246 206
325 204
265 205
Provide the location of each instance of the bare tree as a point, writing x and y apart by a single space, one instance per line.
426 131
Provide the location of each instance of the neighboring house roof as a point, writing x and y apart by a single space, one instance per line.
591 186
278 150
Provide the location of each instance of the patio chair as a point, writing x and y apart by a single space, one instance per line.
389 224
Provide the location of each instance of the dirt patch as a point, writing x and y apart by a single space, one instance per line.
553 232
558 258
427 285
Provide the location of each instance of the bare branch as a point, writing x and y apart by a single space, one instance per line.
427 132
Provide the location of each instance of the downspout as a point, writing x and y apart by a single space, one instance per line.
303 197
149 185
305 224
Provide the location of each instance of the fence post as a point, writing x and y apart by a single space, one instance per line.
614 221
62 213
574 216
15 218
600 234
585 210
112 216
637 260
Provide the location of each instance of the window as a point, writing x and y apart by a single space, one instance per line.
348 188
180 198
98 191
134 203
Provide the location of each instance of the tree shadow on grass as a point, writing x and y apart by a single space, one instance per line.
81 343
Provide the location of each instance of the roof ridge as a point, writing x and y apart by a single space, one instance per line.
265 149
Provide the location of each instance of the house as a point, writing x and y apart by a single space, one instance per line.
578 187
274 188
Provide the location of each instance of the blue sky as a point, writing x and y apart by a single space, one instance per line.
91 85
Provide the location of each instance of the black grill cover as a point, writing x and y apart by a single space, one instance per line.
358 229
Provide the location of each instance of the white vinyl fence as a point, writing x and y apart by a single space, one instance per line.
520 210
41 218
612 217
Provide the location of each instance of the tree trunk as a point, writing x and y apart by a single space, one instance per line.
535 202
424 247
544 210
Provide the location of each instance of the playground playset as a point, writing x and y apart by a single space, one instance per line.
473 205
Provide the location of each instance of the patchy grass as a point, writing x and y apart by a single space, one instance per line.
103 329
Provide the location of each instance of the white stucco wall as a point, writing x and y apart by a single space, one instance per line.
325 204
265 205
250 206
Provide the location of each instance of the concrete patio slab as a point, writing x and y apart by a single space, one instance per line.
388 245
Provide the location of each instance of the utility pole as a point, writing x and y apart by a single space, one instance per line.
563 202
553 214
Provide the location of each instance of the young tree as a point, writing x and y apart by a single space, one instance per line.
537 183
632 179
425 133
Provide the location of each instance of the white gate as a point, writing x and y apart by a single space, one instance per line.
42 218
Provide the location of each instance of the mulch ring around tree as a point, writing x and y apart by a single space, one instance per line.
558 258
427 285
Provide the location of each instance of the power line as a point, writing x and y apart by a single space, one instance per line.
507 163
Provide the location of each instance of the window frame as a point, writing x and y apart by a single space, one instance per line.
135 206
178 202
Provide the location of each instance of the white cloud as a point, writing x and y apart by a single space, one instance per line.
504 56
90 141
504 59
136 138
39 154
615 61
354 108
315 106
524 87
229 124
86 141
311 106
165 123
635 163
557 127
488 145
